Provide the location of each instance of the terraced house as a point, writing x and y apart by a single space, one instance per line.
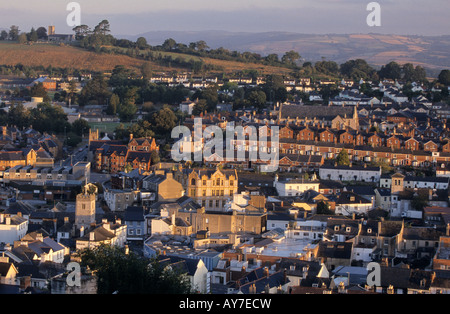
109 156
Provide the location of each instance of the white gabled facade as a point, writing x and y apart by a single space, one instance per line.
12 228
349 173
295 187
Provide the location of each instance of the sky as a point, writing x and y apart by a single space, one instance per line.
132 17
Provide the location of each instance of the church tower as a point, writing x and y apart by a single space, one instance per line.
93 135
85 208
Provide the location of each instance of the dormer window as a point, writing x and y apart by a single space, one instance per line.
369 230
336 228
348 229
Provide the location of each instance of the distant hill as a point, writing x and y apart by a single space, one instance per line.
431 52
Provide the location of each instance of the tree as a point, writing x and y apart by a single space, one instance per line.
114 103
392 71
128 273
154 155
14 32
290 57
201 45
342 158
444 77
169 44
38 90
357 69
142 128
272 58
22 39
327 67
80 127
163 122
141 43
127 110
419 202
41 33
4 35
103 28
146 70
18 115
33 35
96 90
257 98
323 208
414 74
81 31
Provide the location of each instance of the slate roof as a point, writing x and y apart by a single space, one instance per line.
341 250
319 112
134 213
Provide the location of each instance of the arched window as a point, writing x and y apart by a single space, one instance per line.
193 182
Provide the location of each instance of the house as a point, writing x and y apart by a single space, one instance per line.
293 187
187 106
341 229
261 280
12 227
334 254
171 225
417 242
350 173
212 189
349 203
44 247
163 185
135 223
8 271
105 233
195 269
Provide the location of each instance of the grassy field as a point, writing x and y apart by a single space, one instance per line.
106 127
63 56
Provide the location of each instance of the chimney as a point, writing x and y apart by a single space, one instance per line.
81 231
131 136
39 237
266 272
7 220
92 236
2 218
447 230
66 220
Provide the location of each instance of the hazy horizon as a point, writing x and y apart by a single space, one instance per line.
399 17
